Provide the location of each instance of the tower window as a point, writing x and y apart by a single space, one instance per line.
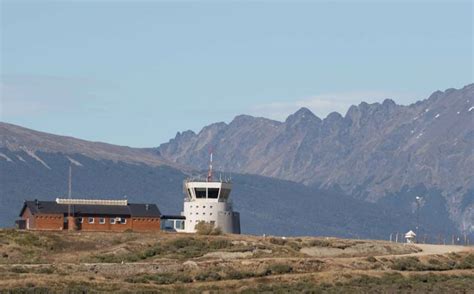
200 192
213 193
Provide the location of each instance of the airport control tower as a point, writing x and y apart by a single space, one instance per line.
208 200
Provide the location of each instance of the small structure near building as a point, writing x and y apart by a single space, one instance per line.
410 236
173 223
89 215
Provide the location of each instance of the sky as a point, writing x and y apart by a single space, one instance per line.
137 72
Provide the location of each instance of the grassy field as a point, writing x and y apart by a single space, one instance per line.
46 262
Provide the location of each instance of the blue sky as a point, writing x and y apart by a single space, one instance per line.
134 73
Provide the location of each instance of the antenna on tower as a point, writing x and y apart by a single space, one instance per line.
209 175
69 191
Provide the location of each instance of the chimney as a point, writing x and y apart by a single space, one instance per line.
147 206
37 203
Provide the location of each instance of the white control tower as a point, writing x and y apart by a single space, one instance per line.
208 201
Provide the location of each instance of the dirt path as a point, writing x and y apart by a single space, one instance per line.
431 249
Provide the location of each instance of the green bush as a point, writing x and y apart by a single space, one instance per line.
18 270
466 263
279 268
410 263
236 275
203 228
45 270
319 243
161 279
220 244
208 276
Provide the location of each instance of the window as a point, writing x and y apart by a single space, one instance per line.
213 193
200 192
210 213
123 221
210 206
179 225
169 224
90 220
102 220
204 206
112 221
203 213
80 220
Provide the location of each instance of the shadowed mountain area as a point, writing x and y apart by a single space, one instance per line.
375 151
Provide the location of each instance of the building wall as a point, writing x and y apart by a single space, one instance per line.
44 221
137 224
210 211
56 222
107 226
145 224
29 219
49 222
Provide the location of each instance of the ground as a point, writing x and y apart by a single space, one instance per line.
168 262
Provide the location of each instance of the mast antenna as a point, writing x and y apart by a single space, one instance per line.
69 191
209 175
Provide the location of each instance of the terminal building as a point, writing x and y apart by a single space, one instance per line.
89 215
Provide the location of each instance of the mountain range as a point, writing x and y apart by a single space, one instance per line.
353 176
374 151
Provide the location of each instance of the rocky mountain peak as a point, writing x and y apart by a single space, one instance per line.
302 116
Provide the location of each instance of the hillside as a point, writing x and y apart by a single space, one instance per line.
164 262
374 152
267 205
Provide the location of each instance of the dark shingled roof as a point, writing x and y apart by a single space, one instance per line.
132 209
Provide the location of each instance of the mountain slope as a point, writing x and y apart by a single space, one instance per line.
35 169
16 138
373 151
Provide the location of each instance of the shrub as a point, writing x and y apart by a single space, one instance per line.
208 276
203 228
371 259
45 270
279 268
220 244
319 243
409 263
18 270
467 262
236 275
278 241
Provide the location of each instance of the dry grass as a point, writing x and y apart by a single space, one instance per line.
129 262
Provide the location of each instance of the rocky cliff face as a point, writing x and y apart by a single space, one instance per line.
373 151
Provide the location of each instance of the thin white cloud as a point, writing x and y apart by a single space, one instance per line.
323 104
30 95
